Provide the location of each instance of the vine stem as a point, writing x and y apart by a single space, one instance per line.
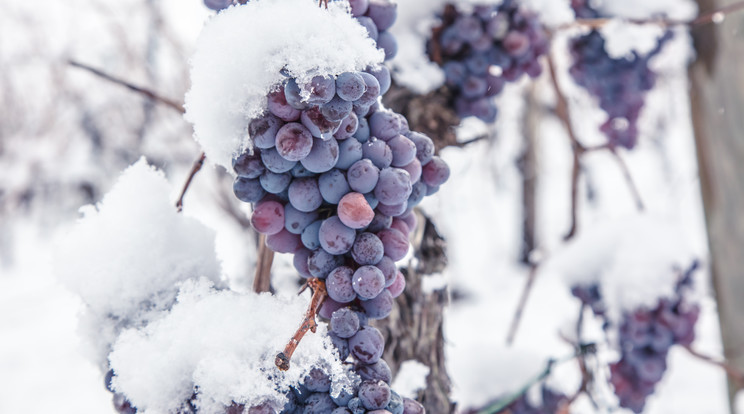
522 304
733 373
132 87
308 322
198 164
262 277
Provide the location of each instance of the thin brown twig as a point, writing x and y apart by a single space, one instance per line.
194 169
308 323
628 179
733 373
262 277
144 91
705 18
470 141
522 304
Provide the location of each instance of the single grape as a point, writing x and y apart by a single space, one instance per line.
304 194
367 345
349 152
262 130
335 237
368 282
363 176
394 186
294 141
333 186
395 242
318 125
380 306
435 172
338 284
283 242
383 13
379 371
350 86
344 322
354 211
278 105
275 183
367 249
248 165
309 235
274 162
268 217
374 395
348 128
248 190
321 90
323 156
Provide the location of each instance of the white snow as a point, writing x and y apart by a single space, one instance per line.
635 260
242 52
411 378
622 38
223 343
125 256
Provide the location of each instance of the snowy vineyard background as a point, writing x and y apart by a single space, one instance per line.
488 206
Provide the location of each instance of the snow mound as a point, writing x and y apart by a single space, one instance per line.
246 51
125 256
222 344
636 261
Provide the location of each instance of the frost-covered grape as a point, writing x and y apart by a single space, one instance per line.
248 165
358 7
293 141
268 217
348 127
321 90
383 13
218 4
320 263
333 186
277 104
275 183
435 172
354 211
338 284
248 190
388 44
337 109
293 95
283 242
371 92
363 176
367 345
274 162
304 194
344 322
341 345
370 25
309 235
395 242
394 186
350 86
295 221
375 395
368 282
319 403
377 151
379 371
349 152
263 130
335 237
380 306
382 74
367 249
318 125
322 156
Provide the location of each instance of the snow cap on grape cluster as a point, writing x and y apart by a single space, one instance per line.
246 51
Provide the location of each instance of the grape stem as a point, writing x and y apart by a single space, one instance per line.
308 322
733 373
522 304
705 18
143 91
194 169
262 278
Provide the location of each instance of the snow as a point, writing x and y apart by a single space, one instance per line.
615 255
126 255
246 51
622 38
411 378
224 344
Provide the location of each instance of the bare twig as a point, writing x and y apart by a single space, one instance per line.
194 169
733 373
470 141
308 322
262 277
144 91
522 303
628 179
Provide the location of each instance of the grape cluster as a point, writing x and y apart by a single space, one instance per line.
481 50
584 10
620 84
645 336
552 402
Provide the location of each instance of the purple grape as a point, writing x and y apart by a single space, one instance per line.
317 381
367 249
358 7
362 133
295 221
319 403
341 345
323 156
379 221
299 261
388 269
299 171
384 125
275 183
404 150
392 210
367 345
350 86
395 242
375 395
344 323
398 285
371 200
293 141
412 407
320 263
354 211
333 186
335 237
321 90
382 74
418 192
263 130
369 25
349 152
248 165
372 92
336 109
394 186
338 284
292 93
378 151
277 104
379 371
318 125
348 127
304 194
248 190
368 282
363 176
424 147
434 173
468 28
274 162
268 217
383 13
414 170
388 44
284 242
309 235
380 306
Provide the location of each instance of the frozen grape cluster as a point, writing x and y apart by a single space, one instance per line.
645 336
620 84
551 402
481 50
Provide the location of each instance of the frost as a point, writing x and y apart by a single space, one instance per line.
411 378
222 344
126 254
636 260
622 38
553 13
246 51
